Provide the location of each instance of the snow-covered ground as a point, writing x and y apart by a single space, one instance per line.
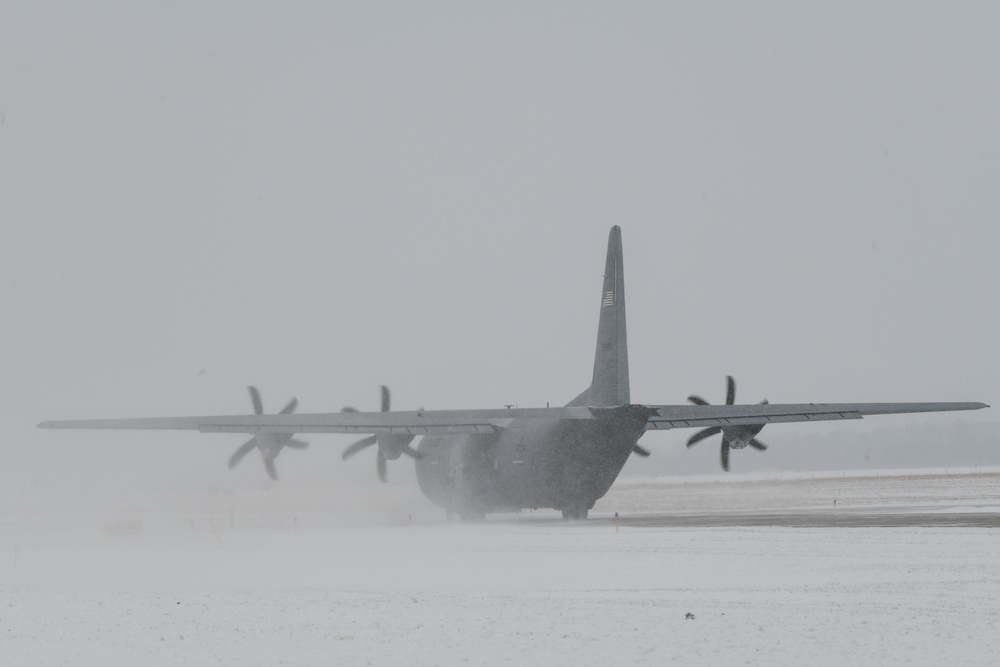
309 578
889 490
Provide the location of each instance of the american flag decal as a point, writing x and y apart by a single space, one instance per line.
609 298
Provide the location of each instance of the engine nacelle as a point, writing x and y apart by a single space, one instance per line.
392 446
739 437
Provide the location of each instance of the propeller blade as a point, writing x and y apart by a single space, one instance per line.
757 444
725 456
730 390
244 449
271 470
385 398
413 453
706 433
641 451
296 444
290 408
258 407
698 400
358 446
380 466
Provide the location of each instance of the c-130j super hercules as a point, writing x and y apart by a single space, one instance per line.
472 462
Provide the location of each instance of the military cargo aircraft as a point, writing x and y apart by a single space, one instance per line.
474 462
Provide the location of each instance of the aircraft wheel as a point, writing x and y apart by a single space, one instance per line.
575 514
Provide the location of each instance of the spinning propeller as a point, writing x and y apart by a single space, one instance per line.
390 446
735 437
269 444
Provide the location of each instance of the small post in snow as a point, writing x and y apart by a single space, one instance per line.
214 531
616 522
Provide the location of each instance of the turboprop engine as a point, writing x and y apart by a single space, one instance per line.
733 437
390 446
269 444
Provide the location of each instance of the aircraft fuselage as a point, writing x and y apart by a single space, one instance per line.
531 464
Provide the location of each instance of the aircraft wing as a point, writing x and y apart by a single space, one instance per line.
463 422
664 417
421 422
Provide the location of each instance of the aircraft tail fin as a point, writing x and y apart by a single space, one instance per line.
610 385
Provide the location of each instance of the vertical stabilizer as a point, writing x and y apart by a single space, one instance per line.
610 382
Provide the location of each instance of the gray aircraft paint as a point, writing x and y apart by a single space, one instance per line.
477 461
610 384
563 464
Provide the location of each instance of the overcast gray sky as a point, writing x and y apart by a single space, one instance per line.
320 198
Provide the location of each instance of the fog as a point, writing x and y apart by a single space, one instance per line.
317 202
321 199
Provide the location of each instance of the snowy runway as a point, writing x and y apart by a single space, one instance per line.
202 585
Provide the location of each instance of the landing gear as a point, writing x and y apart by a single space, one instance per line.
466 515
575 514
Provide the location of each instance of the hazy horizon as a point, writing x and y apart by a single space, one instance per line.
319 201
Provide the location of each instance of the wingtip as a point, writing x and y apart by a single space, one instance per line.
44 425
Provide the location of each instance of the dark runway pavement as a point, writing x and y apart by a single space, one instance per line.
816 519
